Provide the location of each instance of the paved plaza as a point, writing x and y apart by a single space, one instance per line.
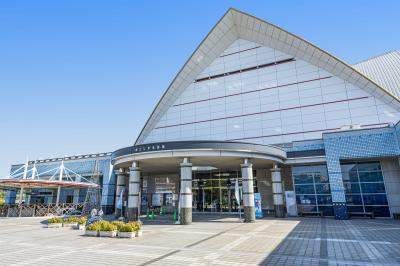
210 240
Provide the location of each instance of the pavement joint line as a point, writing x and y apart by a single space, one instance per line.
323 244
368 248
160 258
31 261
386 224
246 237
123 253
211 237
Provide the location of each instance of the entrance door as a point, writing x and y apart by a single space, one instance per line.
214 191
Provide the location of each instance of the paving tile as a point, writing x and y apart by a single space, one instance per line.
210 240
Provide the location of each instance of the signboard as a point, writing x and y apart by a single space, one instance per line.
257 205
145 200
291 206
156 200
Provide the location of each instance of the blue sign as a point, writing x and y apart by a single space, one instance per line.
257 205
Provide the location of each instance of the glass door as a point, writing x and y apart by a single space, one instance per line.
214 191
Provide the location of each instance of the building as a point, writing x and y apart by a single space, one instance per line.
258 104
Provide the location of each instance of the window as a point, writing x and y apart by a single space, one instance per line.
364 188
312 189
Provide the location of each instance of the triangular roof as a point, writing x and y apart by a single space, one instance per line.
236 24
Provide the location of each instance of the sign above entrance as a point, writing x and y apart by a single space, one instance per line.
201 145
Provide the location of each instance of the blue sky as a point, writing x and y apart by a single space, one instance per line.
83 76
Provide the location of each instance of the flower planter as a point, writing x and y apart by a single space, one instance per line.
108 233
91 233
126 234
69 224
79 226
54 225
139 233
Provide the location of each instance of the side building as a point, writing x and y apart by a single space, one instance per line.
41 179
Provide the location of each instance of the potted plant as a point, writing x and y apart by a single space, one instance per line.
139 231
118 224
107 229
54 222
126 231
137 227
70 222
81 223
92 230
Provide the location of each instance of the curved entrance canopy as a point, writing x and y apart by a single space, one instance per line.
166 157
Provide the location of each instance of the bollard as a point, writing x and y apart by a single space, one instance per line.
152 214
161 211
174 214
147 214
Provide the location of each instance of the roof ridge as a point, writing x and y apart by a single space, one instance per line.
376 56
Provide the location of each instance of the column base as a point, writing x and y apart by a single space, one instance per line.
340 211
249 214
279 211
132 214
186 215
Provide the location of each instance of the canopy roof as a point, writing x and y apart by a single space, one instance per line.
239 25
59 175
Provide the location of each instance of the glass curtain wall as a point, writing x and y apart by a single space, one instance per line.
365 189
312 189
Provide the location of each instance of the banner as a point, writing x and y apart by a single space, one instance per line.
119 202
291 205
257 205
237 195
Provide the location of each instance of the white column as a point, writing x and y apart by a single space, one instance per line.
58 195
133 196
120 187
21 193
277 191
28 199
248 191
185 197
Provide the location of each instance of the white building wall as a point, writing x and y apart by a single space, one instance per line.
277 104
391 174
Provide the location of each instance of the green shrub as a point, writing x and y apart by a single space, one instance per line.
118 224
93 227
126 228
135 225
108 227
102 226
71 220
55 220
